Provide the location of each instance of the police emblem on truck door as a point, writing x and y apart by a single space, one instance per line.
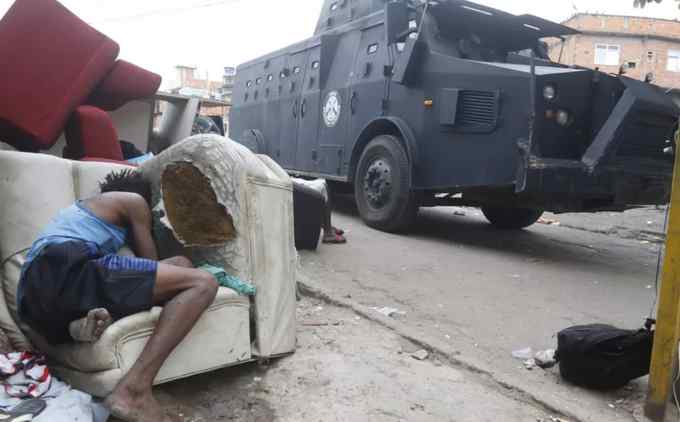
332 108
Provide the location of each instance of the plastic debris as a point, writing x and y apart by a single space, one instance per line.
225 280
529 364
389 312
421 354
524 354
545 358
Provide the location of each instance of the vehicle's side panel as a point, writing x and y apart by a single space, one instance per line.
272 104
369 88
457 157
247 111
335 116
310 112
292 79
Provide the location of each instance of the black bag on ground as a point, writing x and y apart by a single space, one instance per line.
603 357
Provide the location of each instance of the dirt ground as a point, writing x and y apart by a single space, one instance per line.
346 368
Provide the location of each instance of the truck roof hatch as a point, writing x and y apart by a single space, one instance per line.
494 26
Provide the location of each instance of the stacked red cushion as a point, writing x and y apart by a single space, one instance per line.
51 62
90 134
125 82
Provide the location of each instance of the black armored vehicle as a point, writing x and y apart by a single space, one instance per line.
416 103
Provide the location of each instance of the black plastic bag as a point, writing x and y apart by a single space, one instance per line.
603 357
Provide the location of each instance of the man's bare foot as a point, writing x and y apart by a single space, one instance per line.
91 328
130 405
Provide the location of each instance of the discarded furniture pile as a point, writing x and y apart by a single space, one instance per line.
63 78
215 201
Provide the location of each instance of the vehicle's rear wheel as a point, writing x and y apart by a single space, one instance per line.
382 185
511 218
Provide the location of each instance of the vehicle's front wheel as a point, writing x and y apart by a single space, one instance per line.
511 218
382 185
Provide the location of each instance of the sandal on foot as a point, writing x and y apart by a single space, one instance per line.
337 239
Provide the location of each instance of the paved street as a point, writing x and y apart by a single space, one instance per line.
467 294
346 368
477 294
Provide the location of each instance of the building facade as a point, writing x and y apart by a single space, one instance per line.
212 91
645 47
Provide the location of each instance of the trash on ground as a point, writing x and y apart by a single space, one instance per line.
530 364
524 354
421 354
545 358
388 312
320 323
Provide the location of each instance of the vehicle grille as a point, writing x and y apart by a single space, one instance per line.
477 110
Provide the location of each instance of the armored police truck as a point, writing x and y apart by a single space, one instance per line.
421 103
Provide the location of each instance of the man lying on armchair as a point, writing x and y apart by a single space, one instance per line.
73 285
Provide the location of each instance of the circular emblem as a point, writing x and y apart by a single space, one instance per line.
332 108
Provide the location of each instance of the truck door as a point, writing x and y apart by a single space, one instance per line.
334 107
368 87
310 111
291 79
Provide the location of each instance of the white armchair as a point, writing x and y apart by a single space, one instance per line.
250 198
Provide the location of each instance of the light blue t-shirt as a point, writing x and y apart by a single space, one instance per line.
79 223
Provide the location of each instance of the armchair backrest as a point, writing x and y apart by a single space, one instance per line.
33 188
257 196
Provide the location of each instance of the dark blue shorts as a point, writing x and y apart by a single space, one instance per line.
67 280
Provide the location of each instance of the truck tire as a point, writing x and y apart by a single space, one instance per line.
511 218
382 185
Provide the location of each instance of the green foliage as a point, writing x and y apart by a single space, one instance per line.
643 3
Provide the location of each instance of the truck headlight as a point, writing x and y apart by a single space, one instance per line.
563 118
549 92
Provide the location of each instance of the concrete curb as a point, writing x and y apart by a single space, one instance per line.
500 383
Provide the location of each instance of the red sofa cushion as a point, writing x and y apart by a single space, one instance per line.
125 82
90 133
51 62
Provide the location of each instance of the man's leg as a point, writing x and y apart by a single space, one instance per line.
185 293
90 328
330 233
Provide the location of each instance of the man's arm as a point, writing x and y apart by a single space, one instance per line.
139 220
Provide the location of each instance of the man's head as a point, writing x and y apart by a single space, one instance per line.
127 181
